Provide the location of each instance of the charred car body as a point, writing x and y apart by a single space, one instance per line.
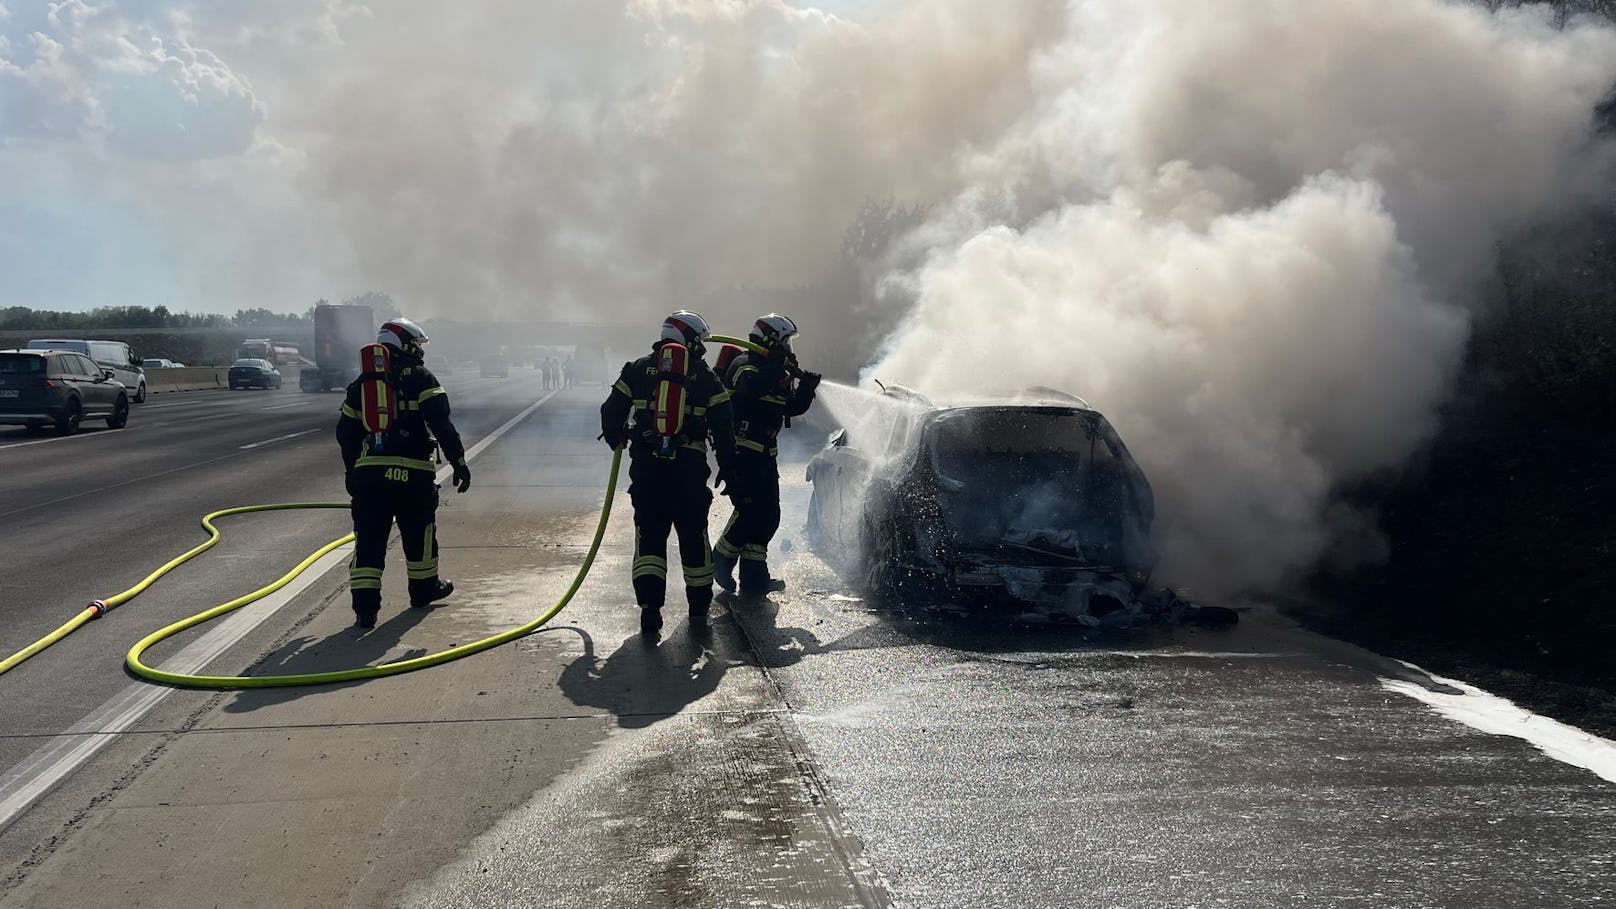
1033 501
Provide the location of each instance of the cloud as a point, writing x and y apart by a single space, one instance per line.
87 72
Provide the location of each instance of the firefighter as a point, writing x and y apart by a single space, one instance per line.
665 407
768 389
391 474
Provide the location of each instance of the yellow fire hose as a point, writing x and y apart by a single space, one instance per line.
132 660
100 608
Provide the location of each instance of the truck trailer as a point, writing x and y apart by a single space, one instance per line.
339 332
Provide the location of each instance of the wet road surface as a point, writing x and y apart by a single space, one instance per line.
810 752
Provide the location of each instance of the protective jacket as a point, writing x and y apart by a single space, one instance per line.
392 477
764 399
706 407
422 427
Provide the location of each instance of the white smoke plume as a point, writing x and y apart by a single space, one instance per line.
571 158
1247 232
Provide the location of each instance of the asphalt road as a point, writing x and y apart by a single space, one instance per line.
812 752
85 516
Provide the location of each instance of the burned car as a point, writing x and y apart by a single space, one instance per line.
1032 501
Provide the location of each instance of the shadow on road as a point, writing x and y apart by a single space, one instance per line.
777 646
647 680
349 648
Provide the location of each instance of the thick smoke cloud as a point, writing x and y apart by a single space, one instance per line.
579 157
1247 232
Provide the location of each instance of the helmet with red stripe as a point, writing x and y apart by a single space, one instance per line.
686 328
404 336
774 331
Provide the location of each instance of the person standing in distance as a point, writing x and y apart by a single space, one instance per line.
391 474
665 406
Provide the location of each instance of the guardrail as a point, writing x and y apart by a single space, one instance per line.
186 378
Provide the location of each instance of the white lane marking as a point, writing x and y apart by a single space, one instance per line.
1492 714
288 406
108 433
52 762
489 439
215 397
290 435
36 774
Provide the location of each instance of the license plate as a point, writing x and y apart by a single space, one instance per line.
8 392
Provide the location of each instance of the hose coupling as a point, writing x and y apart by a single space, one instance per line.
100 607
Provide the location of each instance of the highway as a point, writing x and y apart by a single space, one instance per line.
814 751
89 515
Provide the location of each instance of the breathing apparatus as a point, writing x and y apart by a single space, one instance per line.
376 393
683 334
668 395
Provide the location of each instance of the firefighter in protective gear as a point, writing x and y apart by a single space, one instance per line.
391 473
767 390
665 407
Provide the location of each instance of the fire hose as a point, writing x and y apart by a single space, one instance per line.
132 660
99 608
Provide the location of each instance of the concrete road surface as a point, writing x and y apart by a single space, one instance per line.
813 751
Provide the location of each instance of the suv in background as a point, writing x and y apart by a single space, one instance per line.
58 388
113 355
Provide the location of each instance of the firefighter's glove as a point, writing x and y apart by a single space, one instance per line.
462 477
615 438
809 381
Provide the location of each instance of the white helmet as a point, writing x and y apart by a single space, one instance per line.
405 336
685 327
774 330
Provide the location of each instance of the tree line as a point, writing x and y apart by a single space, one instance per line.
24 318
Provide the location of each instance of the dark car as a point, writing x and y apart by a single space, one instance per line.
1033 501
58 388
252 372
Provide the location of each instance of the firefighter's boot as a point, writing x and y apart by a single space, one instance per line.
724 568
755 580
367 604
425 593
650 619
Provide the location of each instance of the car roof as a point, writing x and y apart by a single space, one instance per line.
985 407
36 351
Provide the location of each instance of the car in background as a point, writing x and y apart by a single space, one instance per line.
58 388
440 366
494 366
1030 501
252 372
160 363
113 355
